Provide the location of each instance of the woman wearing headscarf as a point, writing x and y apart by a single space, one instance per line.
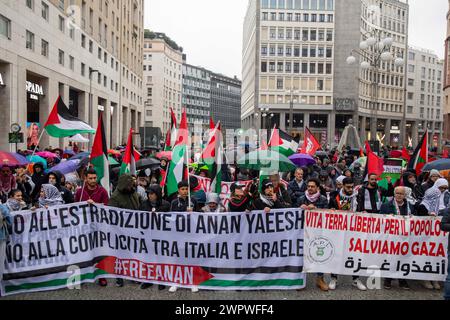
49 196
15 201
7 182
436 199
434 203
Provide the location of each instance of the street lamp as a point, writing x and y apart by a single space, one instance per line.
291 92
375 50
91 71
264 114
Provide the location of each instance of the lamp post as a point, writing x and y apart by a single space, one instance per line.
375 50
91 71
291 92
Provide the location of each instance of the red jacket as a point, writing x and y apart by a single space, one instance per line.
98 195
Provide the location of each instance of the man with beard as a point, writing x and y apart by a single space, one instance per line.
125 197
310 201
371 196
345 200
92 191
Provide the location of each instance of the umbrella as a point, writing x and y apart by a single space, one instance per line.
81 155
67 166
69 152
440 165
79 138
301 159
266 159
37 159
167 154
47 154
115 152
12 159
361 160
150 163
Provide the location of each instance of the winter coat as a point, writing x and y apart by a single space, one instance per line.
161 204
124 199
295 192
385 193
181 204
234 205
258 204
321 203
283 196
66 195
389 208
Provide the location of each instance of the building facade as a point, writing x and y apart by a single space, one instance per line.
226 101
88 52
197 97
446 135
288 51
294 54
163 70
425 95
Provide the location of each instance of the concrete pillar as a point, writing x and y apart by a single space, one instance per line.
331 128
125 124
283 117
83 106
107 121
115 125
6 105
306 120
362 130
19 102
387 130
415 133
373 128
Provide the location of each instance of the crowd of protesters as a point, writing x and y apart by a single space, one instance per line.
327 184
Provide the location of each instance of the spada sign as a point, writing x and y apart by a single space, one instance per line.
1 80
34 90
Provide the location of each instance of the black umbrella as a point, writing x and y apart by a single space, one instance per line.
146 163
441 164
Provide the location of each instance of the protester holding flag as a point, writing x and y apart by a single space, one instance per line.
371 196
297 187
92 192
345 200
240 199
280 190
268 199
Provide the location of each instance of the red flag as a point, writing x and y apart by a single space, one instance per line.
368 148
445 154
374 165
405 154
310 144
212 126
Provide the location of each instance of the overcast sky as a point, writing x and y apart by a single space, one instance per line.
210 31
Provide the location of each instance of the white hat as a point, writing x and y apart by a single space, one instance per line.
212 198
340 179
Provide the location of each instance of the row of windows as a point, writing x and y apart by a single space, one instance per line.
298 4
305 34
307 51
308 100
296 67
297 17
366 104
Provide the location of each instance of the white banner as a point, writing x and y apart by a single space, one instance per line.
72 244
398 247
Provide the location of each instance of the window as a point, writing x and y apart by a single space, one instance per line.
411 68
91 46
71 63
410 82
329 35
83 69
30 40
263 66
61 24
61 57
312 68
411 56
320 85
30 4
44 48
410 95
44 11
5 27
280 83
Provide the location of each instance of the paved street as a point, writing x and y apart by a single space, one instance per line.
132 291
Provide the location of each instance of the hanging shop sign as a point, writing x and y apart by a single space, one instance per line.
1 80
35 90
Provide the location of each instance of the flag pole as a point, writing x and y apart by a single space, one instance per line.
36 146
189 180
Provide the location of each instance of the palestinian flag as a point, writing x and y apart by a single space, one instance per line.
61 123
420 155
175 172
172 134
405 154
130 157
212 157
282 142
99 156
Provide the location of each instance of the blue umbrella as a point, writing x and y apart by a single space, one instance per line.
67 166
37 159
81 156
302 160
69 152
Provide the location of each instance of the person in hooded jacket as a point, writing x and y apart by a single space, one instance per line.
155 201
38 179
125 197
55 178
409 180
155 204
